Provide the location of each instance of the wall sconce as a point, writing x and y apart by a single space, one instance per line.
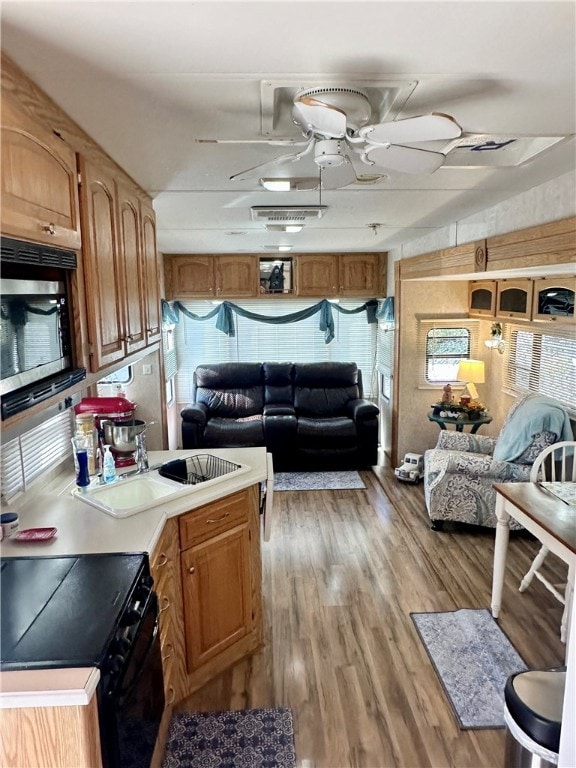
472 372
496 341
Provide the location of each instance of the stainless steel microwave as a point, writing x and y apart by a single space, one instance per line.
36 351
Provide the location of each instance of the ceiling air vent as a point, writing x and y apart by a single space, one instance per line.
286 214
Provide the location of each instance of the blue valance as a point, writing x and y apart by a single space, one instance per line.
224 314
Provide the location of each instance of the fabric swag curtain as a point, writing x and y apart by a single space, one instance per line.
224 314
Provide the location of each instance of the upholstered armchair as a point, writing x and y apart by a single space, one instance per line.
459 473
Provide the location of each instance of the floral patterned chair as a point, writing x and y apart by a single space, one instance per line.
459 473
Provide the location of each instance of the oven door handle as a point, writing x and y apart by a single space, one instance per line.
124 693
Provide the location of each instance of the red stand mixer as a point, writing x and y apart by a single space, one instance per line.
112 416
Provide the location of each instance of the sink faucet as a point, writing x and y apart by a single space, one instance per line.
141 455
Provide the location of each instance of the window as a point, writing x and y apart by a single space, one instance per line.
442 343
200 342
541 360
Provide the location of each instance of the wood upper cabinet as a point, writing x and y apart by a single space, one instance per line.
120 267
165 570
316 274
482 298
102 264
514 298
39 182
345 274
153 318
205 276
236 275
221 583
133 266
553 299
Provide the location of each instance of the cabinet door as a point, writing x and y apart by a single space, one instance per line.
482 298
151 274
236 276
39 182
165 570
514 298
190 276
553 299
133 268
103 273
317 275
359 274
217 588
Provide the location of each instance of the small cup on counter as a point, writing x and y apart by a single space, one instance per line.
9 524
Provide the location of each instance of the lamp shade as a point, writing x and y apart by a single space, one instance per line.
471 371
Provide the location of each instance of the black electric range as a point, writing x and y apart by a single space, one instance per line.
64 611
91 611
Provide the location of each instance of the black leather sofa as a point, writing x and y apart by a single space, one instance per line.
308 415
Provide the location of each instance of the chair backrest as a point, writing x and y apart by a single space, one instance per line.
556 463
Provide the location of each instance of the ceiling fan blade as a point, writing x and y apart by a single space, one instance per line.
403 159
319 117
336 176
258 170
269 142
414 129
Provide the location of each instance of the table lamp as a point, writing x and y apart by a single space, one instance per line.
472 372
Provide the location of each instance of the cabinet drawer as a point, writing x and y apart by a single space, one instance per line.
212 519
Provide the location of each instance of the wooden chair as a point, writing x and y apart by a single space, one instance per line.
555 464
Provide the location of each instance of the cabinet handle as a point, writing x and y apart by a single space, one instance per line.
166 601
164 560
170 654
191 569
50 228
219 519
130 337
172 695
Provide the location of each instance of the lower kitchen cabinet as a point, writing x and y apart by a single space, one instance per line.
207 575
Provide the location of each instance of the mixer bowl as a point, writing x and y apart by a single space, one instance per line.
121 434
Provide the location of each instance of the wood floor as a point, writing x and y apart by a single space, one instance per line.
342 572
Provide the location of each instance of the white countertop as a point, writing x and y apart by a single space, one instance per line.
83 529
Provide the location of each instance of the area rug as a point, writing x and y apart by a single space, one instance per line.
259 738
473 659
317 481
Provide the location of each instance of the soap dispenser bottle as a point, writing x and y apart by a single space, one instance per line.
108 466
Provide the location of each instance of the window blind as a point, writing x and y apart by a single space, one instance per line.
541 359
198 342
26 458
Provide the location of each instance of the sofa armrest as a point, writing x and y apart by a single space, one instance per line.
279 409
473 465
360 410
449 440
196 413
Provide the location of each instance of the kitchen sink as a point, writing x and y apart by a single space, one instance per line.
174 479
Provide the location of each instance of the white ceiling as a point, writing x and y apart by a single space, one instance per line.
146 79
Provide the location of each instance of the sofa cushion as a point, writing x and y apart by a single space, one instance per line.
227 433
231 403
331 433
325 389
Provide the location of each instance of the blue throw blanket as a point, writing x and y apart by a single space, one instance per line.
537 413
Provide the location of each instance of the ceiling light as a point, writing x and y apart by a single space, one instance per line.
278 247
284 227
284 247
276 185
299 184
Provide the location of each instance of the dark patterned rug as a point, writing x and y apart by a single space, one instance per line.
473 659
249 738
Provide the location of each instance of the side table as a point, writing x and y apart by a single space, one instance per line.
459 424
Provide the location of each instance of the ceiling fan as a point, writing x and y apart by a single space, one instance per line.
334 122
